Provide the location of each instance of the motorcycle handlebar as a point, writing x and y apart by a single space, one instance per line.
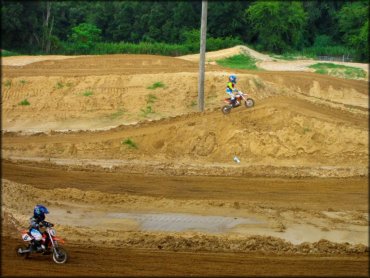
47 224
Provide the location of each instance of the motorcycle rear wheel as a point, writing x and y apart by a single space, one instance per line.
59 255
22 255
226 109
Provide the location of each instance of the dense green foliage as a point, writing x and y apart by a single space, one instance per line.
6 53
84 36
331 27
354 23
277 26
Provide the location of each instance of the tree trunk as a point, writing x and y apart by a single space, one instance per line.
47 28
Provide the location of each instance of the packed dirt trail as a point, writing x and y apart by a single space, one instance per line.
140 183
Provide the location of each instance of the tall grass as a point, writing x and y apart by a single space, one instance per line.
314 51
328 51
155 48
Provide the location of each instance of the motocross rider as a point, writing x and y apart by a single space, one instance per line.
230 89
37 221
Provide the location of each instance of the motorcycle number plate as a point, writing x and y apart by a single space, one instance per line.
26 237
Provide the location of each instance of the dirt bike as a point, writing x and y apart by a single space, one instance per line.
240 97
50 245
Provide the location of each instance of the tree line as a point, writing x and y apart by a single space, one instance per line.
84 27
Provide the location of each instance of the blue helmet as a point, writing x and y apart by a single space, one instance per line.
232 78
40 211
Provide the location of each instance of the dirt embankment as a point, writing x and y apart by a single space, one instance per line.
313 125
117 140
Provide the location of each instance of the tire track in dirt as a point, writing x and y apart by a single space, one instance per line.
272 230
103 261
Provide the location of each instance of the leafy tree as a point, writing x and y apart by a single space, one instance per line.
277 26
362 40
226 18
84 36
47 27
157 18
122 22
354 25
322 19
180 16
39 26
10 23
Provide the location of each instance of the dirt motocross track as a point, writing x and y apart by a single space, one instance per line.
140 183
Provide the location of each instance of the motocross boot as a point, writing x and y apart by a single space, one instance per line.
234 102
37 246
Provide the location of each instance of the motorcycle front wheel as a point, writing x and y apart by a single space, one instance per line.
59 255
249 103
226 109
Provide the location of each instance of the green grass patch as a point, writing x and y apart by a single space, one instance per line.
339 70
8 84
151 98
240 61
24 102
156 85
129 143
292 56
87 93
306 129
23 82
147 111
117 114
59 85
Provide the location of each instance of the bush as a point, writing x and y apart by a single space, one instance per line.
84 36
323 41
6 53
192 41
140 48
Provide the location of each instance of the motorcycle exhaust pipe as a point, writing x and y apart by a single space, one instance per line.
23 251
